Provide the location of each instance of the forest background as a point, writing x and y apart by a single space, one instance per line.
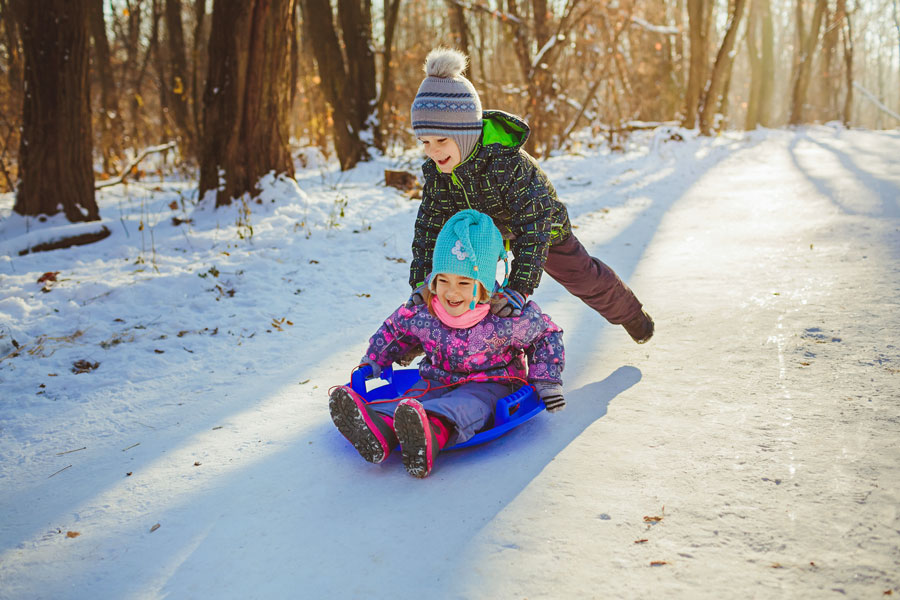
229 91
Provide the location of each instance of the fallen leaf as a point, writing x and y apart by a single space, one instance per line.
154 528
173 205
48 276
652 519
658 563
641 541
73 534
84 366
776 566
197 463
158 351
128 474
304 381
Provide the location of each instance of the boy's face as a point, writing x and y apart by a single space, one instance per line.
442 150
454 292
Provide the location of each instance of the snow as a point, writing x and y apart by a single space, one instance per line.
748 450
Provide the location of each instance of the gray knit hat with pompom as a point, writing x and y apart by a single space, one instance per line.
447 103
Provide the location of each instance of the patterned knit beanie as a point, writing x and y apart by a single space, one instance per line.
447 103
470 245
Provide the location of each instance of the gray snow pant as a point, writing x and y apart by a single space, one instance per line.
592 281
468 407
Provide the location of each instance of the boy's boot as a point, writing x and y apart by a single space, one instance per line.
367 430
640 328
419 442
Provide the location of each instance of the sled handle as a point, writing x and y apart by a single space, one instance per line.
359 376
509 405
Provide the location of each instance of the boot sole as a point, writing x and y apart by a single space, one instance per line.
353 423
409 423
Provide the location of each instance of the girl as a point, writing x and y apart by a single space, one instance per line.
476 160
472 357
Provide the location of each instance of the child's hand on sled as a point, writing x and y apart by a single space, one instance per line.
551 394
417 297
376 368
507 303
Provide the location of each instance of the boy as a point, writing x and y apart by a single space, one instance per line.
476 160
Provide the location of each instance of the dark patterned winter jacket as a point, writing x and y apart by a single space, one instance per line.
502 180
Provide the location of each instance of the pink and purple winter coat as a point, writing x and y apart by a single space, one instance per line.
493 346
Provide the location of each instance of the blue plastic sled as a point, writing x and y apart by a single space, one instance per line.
511 411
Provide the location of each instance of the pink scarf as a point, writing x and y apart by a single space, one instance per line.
463 321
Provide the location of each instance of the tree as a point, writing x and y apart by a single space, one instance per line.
848 61
539 46
10 96
721 72
347 75
177 81
110 120
760 48
55 172
391 14
807 46
247 97
699 18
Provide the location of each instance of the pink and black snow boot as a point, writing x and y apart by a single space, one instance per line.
367 430
421 437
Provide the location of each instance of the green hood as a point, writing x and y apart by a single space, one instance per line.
504 129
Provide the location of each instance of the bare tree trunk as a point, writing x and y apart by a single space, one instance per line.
9 125
391 14
246 102
55 154
805 63
197 67
721 70
459 31
110 119
767 89
177 84
163 130
699 17
755 61
345 95
14 58
355 17
828 79
848 62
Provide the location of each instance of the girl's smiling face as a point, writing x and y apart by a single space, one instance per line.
455 292
442 150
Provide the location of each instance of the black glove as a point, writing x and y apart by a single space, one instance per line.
417 297
551 394
507 303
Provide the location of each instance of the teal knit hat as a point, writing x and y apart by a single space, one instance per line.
470 245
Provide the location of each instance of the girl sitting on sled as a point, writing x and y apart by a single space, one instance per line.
472 357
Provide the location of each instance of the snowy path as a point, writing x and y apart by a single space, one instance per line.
765 427
760 425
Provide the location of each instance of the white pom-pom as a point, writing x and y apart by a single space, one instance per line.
445 62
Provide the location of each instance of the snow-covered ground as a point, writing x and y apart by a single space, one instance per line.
750 450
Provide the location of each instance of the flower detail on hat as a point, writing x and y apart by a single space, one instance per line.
458 251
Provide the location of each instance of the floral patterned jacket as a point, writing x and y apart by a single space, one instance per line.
529 347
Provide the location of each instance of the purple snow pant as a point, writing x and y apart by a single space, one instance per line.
595 283
469 407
